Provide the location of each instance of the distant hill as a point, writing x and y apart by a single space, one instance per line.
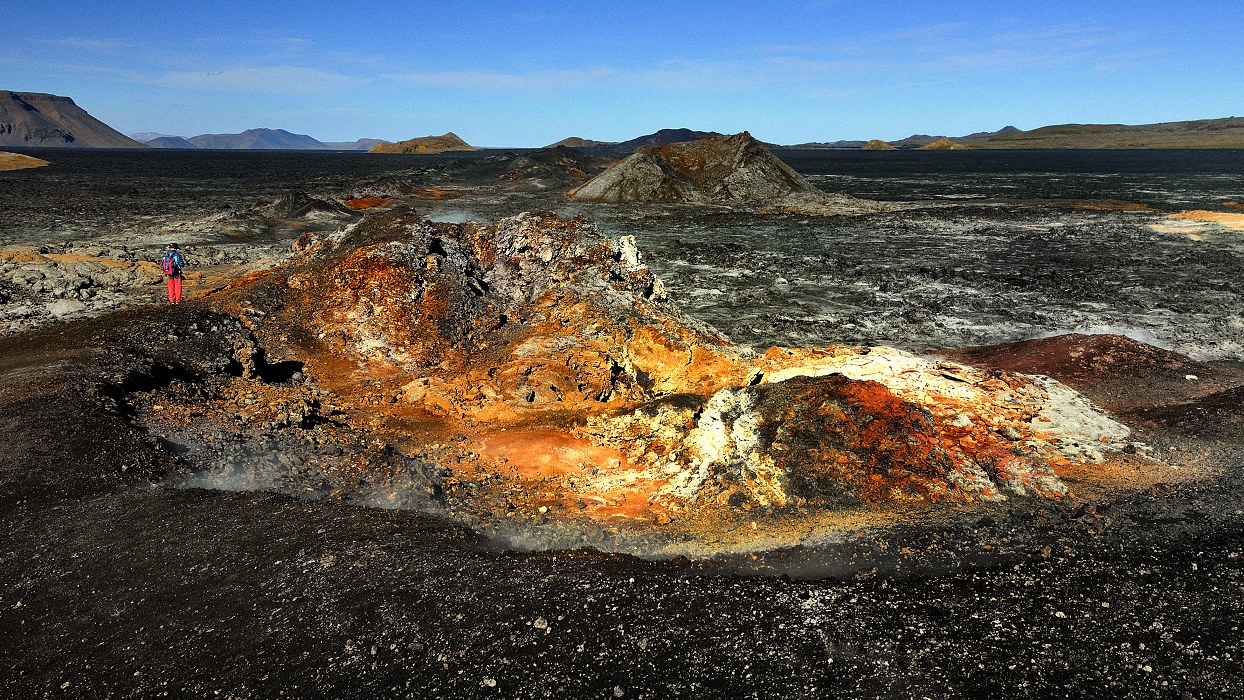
424 144
257 139
51 121
986 135
170 142
826 144
253 139
1204 133
556 166
662 137
359 145
914 141
877 145
732 170
145 136
576 142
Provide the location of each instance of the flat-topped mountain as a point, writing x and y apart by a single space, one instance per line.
36 119
425 144
257 139
1203 133
660 137
732 170
663 137
254 140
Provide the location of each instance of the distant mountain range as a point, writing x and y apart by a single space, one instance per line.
1199 134
33 119
977 140
663 137
36 119
1203 133
253 140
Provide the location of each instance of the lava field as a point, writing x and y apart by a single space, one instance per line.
426 428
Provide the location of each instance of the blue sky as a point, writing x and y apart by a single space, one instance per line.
529 73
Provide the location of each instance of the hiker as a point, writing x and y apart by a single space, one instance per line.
171 265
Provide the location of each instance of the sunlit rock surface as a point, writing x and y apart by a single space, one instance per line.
18 161
542 367
448 141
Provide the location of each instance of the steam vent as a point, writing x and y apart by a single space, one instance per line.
535 373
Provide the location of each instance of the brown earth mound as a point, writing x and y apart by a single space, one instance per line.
877 145
943 144
1120 373
425 144
17 161
732 170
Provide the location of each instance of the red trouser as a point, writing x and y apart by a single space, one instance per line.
174 290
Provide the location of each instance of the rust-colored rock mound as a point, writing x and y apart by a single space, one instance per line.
17 161
877 145
1125 375
943 144
1079 358
732 170
543 368
425 144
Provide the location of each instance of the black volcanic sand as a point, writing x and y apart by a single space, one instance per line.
114 586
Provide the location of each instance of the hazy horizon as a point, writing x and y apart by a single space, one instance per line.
525 75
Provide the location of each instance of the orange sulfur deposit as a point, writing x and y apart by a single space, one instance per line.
543 366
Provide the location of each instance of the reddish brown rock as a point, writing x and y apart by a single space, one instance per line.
581 389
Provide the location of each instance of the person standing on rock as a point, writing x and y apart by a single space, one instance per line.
171 265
